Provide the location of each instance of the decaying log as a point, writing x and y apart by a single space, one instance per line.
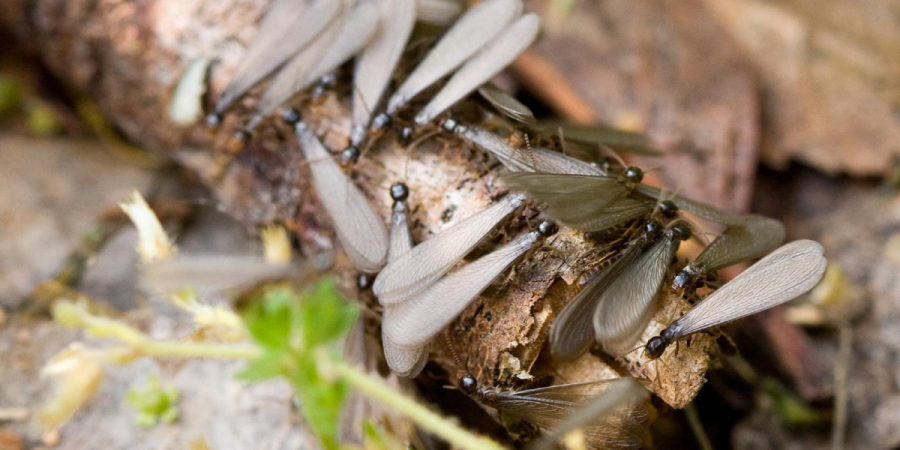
128 55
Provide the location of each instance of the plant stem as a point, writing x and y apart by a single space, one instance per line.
422 416
151 347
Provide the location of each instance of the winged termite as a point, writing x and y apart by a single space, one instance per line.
572 333
698 209
325 54
785 274
211 273
756 237
621 427
478 26
484 65
288 27
437 12
358 227
430 260
578 201
417 320
376 64
406 362
534 159
625 307
506 104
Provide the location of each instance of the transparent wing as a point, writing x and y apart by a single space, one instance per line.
598 135
756 237
548 407
416 321
619 211
376 63
286 29
536 159
788 272
487 63
438 12
355 31
399 240
701 210
431 259
570 199
506 104
621 398
572 333
625 308
358 227
478 26
406 362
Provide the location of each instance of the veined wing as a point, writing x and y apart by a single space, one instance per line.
570 199
756 237
785 274
536 159
358 227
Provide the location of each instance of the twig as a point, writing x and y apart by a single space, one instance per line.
690 412
841 373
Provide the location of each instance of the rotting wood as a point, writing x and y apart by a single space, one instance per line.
127 56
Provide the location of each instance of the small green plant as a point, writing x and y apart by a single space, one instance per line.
153 403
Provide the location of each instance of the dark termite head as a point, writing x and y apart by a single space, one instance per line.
652 228
290 116
684 278
399 192
468 384
656 346
213 120
405 135
349 156
546 228
449 125
363 282
668 208
381 121
681 231
634 174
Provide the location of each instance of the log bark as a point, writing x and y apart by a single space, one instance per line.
127 55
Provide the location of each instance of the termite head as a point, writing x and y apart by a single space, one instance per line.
363 282
634 174
449 125
290 116
405 134
668 208
546 228
652 228
656 346
381 121
684 278
399 192
349 155
213 120
468 384
681 231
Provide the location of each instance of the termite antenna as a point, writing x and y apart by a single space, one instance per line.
452 349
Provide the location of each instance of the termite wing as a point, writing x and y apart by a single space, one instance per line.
626 306
339 43
475 28
755 237
786 273
438 12
598 137
377 61
417 320
430 260
506 104
617 422
484 65
572 332
288 27
359 229
406 362
533 159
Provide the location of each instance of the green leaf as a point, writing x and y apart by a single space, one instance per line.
270 365
153 404
791 408
326 317
320 399
269 315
